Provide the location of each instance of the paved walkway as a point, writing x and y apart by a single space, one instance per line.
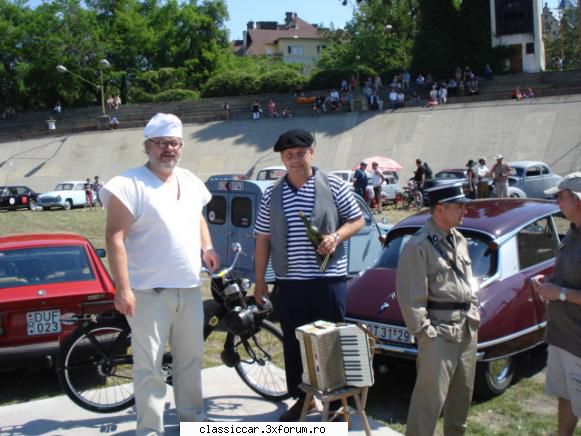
228 400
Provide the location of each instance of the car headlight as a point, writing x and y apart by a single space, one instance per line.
58 197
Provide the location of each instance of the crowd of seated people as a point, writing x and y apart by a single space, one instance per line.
520 94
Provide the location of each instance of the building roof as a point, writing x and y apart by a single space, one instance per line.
258 39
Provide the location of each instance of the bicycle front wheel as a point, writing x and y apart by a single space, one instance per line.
418 200
95 367
261 364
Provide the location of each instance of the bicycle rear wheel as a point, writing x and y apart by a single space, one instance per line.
94 367
261 364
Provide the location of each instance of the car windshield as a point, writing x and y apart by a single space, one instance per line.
517 171
64 187
483 259
270 174
43 265
450 175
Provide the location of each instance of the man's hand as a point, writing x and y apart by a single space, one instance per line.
125 302
260 292
327 245
211 259
547 290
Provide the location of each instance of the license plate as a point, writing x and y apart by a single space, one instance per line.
43 322
390 333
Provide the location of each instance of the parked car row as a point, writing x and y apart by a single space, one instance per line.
529 179
66 195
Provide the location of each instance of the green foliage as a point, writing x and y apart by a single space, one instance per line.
253 75
568 46
177 95
157 45
436 46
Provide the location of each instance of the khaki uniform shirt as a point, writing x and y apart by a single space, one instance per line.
423 274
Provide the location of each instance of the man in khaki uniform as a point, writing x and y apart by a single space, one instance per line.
433 283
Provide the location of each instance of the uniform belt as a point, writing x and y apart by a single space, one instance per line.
448 305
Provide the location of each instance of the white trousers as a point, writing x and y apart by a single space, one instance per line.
177 316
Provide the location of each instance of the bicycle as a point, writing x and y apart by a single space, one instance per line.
412 196
94 364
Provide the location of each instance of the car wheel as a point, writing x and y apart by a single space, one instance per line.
494 377
68 205
514 195
32 204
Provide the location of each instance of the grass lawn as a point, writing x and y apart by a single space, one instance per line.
522 410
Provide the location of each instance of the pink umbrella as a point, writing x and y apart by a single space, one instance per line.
385 163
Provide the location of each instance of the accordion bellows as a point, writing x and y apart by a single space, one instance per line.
334 355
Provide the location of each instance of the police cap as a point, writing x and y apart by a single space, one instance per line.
448 193
294 138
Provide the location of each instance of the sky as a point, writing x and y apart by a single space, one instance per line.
312 11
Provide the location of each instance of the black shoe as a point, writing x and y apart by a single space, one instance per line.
294 412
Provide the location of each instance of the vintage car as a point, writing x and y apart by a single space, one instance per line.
510 240
531 179
271 173
231 217
43 277
66 195
17 197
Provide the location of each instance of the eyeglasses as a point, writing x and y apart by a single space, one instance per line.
166 143
298 155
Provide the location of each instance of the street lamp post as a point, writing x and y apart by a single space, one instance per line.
104 63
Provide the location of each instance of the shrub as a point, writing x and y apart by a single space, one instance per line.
177 95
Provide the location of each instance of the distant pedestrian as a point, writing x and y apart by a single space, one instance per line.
256 109
360 179
500 172
51 123
114 123
482 173
89 194
97 185
377 181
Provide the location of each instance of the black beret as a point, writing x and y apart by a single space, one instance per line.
294 138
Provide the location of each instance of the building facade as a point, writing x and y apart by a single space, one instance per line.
295 40
518 25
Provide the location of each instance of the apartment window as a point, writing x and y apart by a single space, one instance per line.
295 49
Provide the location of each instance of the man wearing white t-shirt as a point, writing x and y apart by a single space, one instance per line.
155 234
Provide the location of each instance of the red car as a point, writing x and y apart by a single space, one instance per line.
42 277
510 240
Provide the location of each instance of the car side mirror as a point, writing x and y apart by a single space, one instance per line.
101 252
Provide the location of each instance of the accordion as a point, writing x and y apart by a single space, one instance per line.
335 355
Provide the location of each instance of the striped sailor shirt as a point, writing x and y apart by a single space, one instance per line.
302 257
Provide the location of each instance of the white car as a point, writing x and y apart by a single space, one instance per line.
271 173
66 195
389 189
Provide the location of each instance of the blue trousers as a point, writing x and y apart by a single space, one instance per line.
302 302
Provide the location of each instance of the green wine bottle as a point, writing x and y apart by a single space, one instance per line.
314 235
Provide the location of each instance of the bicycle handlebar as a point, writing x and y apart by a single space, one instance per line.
237 249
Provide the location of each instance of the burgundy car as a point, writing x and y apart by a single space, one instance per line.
42 277
510 240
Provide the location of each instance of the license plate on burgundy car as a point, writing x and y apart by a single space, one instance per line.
43 322
392 333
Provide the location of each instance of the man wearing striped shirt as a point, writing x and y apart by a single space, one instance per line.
306 293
